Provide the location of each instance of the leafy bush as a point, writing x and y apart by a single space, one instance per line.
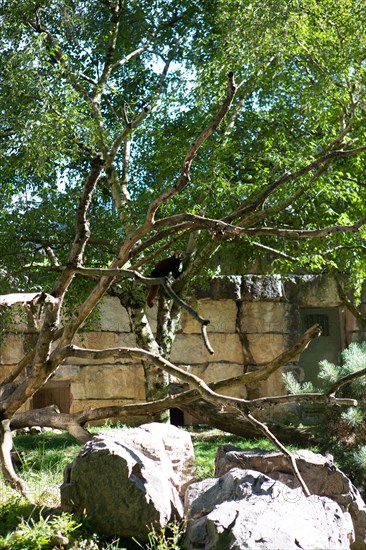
345 436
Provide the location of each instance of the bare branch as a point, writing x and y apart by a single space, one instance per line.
254 201
203 389
203 322
346 380
267 432
223 229
192 152
274 251
110 51
265 213
128 130
318 398
284 358
82 230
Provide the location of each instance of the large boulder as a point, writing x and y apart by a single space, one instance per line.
130 480
321 476
245 509
166 445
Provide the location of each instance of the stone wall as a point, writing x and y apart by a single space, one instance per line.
252 320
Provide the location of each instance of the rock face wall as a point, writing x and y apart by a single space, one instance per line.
252 320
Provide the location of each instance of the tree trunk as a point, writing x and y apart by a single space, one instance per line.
206 413
156 380
10 476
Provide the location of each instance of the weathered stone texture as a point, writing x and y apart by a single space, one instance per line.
11 349
262 287
102 340
266 317
113 317
129 481
221 313
265 347
109 382
67 372
96 340
321 476
190 348
247 509
312 290
212 372
222 287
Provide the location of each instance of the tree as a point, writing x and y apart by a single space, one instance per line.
130 129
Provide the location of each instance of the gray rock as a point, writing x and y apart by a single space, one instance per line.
125 481
321 476
245 509
262 287
222 287
166 445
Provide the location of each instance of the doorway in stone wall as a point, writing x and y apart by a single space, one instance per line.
54 392
327 346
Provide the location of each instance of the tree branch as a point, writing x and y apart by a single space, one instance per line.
110 51
194 221
254 201
192 152
26 298
349 305
6 445
129 128
345 380
269 435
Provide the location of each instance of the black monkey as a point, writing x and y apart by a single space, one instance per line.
163 269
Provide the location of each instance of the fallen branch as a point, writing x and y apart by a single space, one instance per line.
50 417
199 385
242 405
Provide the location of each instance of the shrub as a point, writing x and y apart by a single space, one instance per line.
345 436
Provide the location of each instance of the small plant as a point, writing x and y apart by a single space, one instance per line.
168 538
46 532
293 386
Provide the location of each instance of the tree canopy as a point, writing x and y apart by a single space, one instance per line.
146 78
130 129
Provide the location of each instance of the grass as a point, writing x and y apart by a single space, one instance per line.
41 462
206 443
